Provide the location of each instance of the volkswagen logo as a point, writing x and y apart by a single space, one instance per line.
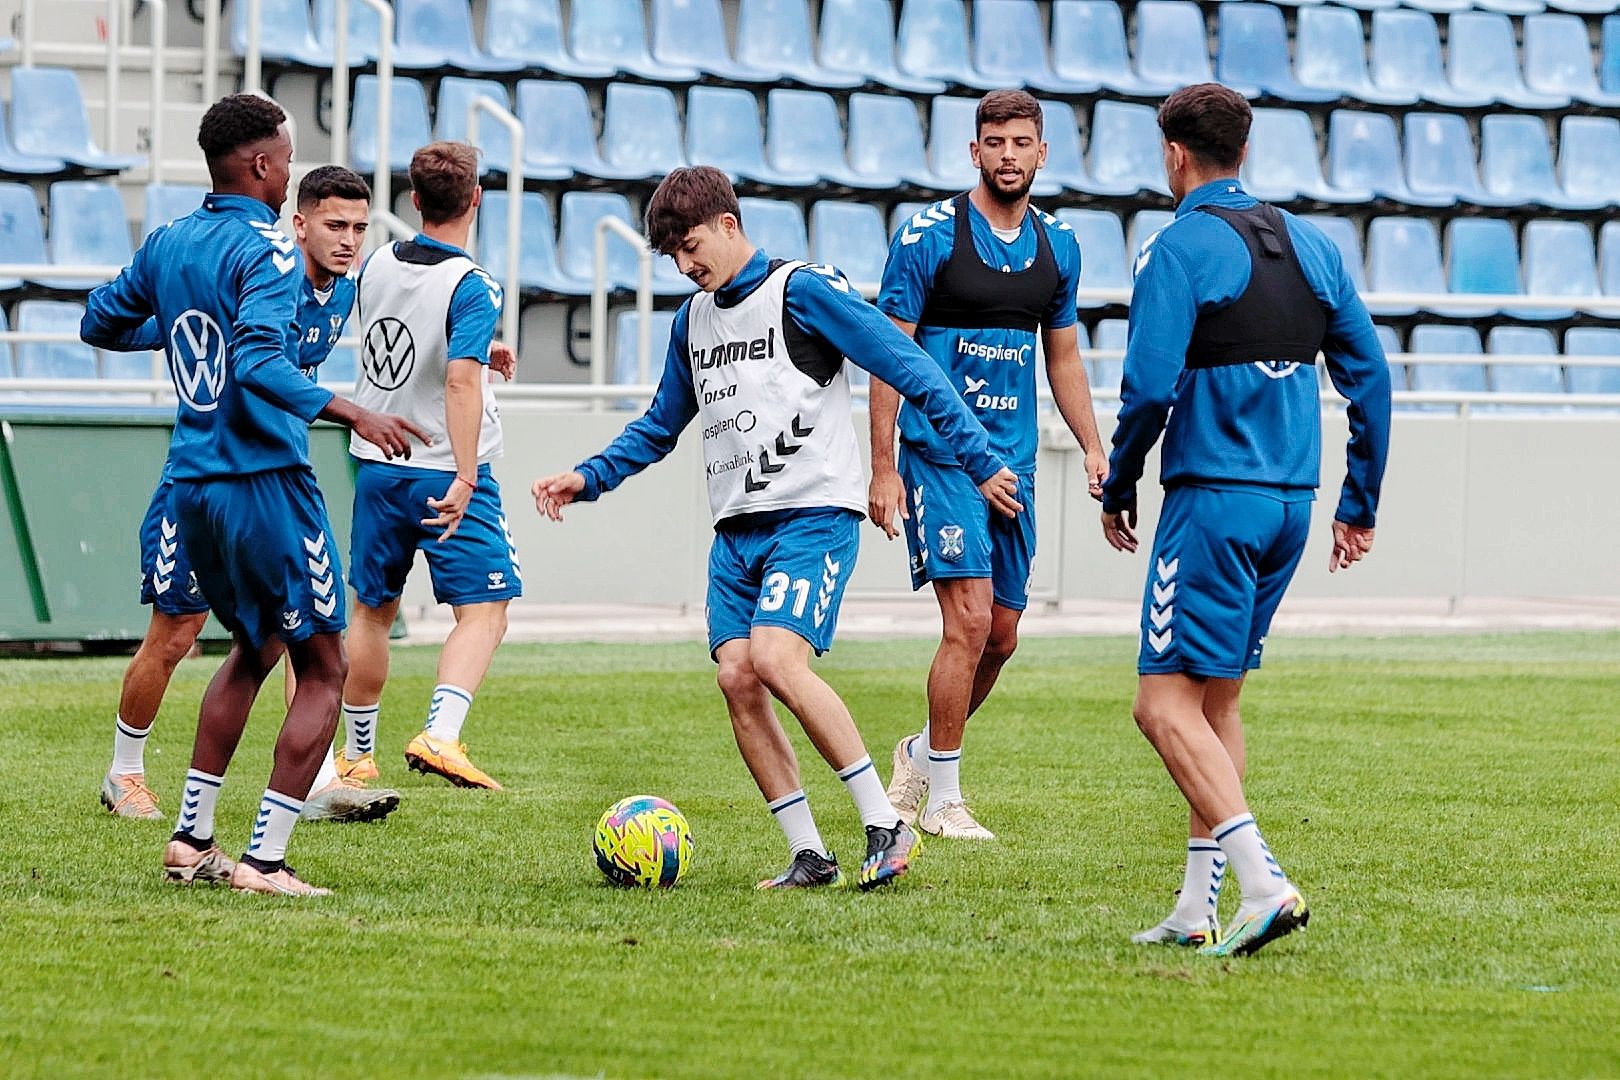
389 355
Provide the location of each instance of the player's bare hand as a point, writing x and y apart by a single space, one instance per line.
1120 529
884 499
1001 492
1351 543
450 509
552 493
388 433
1096 472
502 360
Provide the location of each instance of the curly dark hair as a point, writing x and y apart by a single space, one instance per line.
1210 120
688 197
329 182
236 121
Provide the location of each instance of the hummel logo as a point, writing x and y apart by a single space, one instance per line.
767 467
291 620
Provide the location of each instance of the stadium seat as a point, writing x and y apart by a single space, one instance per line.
49 120
559 133
1331 50
22 234
1593 341
1609 63
886 142
1011 48
88 227
1253 56
1558 59
434 34
1589 158
1482 256
1065 164
1406 59
529 33
341 367
1511 7
1457 377
53 359
1582 7
1104 263
857 40
774 35
1145 224
1403 256
408 124
1364 152
1088 46
365 30
1125 147
1559 261
131 365
625 366
903 212
456 96
1440 160
1342 231
805 136
1172 44
1524 378
776 227
932 44
850 236
285 34
692 34
612 33
1483 59
7 370
1516 164
1609 258
538 268
1439 7
641 135
951 128
1282 163
723 130
169 202
581 210
14 162
1391 344
1110 336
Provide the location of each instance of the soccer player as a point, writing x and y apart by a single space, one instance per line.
974 279
1234 300
759 354
329 225
429 315
223 282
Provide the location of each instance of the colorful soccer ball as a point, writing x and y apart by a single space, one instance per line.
644 841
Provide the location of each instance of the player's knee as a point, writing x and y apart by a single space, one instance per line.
1001 645
776 668
1150 720
968 628
737 679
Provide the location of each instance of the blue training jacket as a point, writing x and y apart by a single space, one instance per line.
1242 423
225 283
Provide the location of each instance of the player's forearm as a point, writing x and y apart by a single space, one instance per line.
463 416
264 371
1071 390
883 409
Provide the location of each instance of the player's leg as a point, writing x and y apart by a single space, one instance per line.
340 797
169 638
367 643
999 647
965 612
1012 552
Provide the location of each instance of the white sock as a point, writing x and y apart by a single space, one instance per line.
944 778
917 749
1200 885
129 749
327 774
1257 872
274 825
360 727
448 712
867 790
792 813
197 801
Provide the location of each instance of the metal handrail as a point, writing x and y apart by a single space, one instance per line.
210 63
514 206
599 291
157 11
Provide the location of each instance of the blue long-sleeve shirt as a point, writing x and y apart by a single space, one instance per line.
1239 423
226 284
826 307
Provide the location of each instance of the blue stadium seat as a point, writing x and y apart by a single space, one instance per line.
1440 7
1440 160
1559 261
886 142
1282 163
1465 378
1011 48
88 227
1403 256
723 130
1609 258
1482 256
434 34
1104 263
1110 336
692 34
14 162
1483 59
612 33
530 34
805 136
776 227
365 30
456 96
1589 158
857 40
22 235
169 202
1088 46
538 268
1391 343
1331 55
131 365
1582 7
1524 378
559 133
1364 152
1253 57
1558 59
1609 64
1125 147
49 119
932 44
850 236
7 370
1065 164
1342 231
1406 59
1145 224
774 35
902 212
581 210
285 34
625 367
951 128
1593 341
341 367
1172 44
53 359
641 135
1511 7
1516 163
408 124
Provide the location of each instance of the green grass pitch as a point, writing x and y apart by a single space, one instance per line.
1451 807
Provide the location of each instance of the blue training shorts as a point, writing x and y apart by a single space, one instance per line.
1222 558
167 580
954 533
478 565
264 553
785 568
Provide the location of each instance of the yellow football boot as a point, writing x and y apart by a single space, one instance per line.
447 759
363 767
